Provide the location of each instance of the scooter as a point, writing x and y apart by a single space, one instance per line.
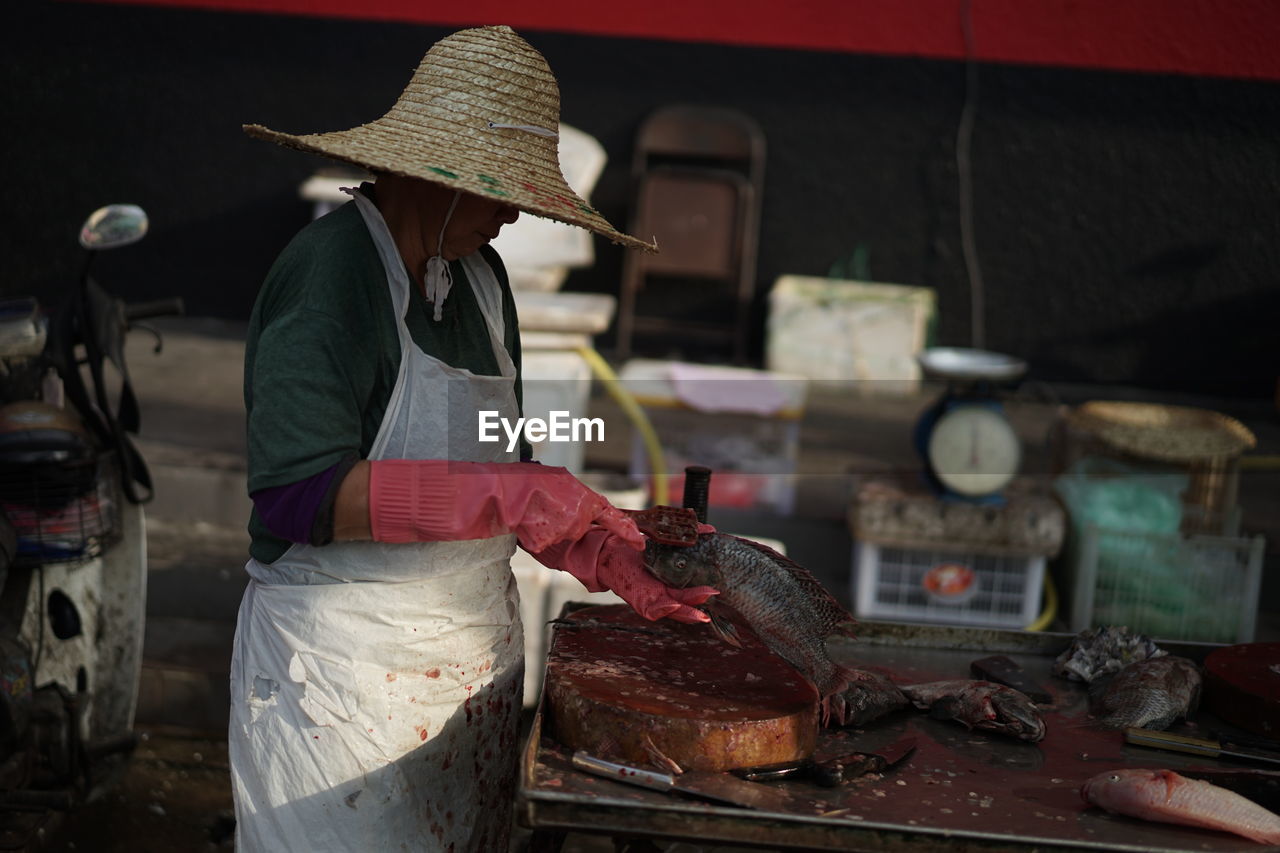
72 539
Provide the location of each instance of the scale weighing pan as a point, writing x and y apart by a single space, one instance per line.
970 364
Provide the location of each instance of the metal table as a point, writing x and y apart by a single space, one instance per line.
960 789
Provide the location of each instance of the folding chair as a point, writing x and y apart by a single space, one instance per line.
699 173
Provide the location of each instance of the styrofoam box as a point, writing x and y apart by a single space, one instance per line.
556 380
942 586
855 331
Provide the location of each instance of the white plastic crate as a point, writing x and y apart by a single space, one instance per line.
945 586
556 381
1168 586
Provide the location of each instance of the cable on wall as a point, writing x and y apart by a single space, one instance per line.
964 169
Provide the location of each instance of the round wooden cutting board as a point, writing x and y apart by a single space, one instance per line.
1242 686
619 686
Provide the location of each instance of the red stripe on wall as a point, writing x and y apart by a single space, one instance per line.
1225 38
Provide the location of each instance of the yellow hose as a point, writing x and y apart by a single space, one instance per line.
1045 619
657 464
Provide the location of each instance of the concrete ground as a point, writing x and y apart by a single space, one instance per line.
176 795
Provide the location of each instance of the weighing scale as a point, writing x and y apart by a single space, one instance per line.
969 448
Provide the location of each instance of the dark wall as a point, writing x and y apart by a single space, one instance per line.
1128 225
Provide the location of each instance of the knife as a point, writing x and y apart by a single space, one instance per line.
1003 670
703 784
833 771
1234 740
1196 746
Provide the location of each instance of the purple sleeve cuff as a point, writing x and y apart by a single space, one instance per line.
303 511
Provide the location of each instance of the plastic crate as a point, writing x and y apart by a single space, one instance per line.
743 424
946 586
1169 586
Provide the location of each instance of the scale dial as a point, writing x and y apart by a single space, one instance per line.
974 451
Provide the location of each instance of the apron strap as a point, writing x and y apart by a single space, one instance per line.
484 283
397 275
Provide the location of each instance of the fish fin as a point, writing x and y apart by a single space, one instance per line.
832 705
863 696
724 629
846 628
660 758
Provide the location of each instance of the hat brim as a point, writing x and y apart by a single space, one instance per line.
377 147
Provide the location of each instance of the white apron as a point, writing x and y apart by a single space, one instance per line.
376 695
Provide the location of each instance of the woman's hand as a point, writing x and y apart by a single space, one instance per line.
603 561
550 505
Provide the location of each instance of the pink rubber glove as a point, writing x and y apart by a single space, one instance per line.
601 560
429 500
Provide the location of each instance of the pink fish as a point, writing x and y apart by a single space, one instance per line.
1162 795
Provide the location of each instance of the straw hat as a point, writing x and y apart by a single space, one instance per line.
481 115
1166 433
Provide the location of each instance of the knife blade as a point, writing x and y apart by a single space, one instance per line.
833 771
1247 741
702 784
1196 746
837 771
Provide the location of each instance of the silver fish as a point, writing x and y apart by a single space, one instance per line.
785 605
981 705
1162 795
1149 694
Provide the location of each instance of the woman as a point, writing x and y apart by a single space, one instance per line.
378 662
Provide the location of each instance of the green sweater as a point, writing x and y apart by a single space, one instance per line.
322 353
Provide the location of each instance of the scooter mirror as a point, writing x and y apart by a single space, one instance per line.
113 226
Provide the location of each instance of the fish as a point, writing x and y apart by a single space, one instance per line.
869 697
785 605
1149 694
982 705
1165 796
1098 652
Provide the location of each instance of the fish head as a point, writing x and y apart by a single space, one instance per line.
679 566
1101 788
1127 786
1092 787
1017 715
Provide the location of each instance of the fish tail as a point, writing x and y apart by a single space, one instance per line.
833 692
833 704
838 680
1262 836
